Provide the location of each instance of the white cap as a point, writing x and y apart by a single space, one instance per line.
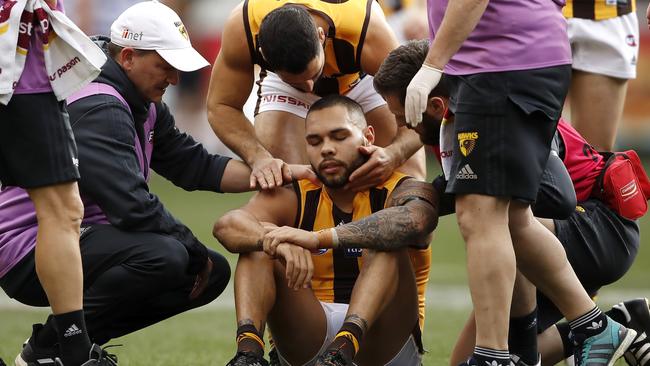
150 25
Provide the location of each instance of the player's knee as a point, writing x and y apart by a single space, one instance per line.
59 204
477 214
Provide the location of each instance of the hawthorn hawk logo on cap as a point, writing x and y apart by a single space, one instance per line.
182 30
467 142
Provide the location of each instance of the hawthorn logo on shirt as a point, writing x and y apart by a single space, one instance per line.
467 142
630 40
182 30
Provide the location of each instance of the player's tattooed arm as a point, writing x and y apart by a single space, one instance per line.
408 220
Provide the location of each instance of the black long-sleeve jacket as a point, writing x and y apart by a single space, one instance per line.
105 132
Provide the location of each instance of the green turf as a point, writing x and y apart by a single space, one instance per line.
205 337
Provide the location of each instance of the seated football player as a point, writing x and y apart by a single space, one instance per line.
336 273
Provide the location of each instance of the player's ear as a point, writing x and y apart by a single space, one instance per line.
321 35
436 107
368 136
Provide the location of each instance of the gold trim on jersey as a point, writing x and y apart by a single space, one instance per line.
598 9
334 274
348 23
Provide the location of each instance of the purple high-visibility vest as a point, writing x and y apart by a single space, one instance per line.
18 224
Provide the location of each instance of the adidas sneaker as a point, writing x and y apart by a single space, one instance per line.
31 355
96 357
605 347
637 317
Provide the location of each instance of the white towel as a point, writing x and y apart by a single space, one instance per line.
72 60
446 146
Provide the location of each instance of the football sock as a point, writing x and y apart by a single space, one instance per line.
73 337
46 336
567 343
488 356
249 340
589 324
522 337
347 340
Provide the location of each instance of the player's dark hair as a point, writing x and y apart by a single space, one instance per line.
400 66
288 38
355 112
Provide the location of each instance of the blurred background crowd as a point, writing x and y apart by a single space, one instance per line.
204 20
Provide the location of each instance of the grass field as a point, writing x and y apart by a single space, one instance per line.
206 336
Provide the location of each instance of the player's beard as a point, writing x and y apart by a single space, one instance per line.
340 180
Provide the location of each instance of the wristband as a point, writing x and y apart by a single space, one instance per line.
327 238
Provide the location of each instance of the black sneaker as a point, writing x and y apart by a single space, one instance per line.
637 317
334 357
96 357
247 359
515 360
31 355
274 358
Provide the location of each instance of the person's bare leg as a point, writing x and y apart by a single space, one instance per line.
261 293
542 259
59 212
523 304
465 342
390 308
597 103
550 346
483 223
254 289
58 261
297 320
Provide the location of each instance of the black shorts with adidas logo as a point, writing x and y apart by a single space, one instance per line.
503 127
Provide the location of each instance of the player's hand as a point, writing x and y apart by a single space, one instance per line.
417 93
299 171
267 173
286 234
647 15
380 165
51 4
201 280
298 264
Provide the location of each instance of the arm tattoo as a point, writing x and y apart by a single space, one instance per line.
413 189
408 221
357 320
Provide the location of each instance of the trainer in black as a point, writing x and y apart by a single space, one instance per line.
637 317
96 357
247 359
32 355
